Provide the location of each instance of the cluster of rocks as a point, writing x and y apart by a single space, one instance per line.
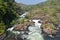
26 30
19 31
24 26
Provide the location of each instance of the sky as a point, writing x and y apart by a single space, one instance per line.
30 2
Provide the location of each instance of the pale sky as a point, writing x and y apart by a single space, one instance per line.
30 2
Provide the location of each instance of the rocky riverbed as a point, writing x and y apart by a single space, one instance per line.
30 31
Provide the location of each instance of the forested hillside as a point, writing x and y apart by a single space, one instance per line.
47 11
25 7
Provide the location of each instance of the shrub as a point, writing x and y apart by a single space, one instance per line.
22 20
2 28
27 17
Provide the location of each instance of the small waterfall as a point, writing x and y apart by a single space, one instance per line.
35 32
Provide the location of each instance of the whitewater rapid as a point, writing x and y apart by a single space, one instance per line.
34 31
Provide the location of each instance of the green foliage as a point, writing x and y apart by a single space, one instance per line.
44 25
27 17
14 22
8 13
54 20
52 26
2 28
22 20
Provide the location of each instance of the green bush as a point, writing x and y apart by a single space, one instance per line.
27 17
52 26
22 20
2 28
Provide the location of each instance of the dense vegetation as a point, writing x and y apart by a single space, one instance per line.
8 12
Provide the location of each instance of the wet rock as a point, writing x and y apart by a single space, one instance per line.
48 30
20 27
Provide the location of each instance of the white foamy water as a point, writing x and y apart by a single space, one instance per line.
35 36
35 32
10 29
23 15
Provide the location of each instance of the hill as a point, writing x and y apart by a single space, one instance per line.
48 12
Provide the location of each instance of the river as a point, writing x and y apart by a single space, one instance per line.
34 31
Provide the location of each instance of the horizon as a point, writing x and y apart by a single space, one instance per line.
30 2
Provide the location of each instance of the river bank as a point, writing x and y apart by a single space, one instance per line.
27 30
30 28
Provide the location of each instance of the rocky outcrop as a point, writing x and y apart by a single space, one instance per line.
20 27
49 31
23 27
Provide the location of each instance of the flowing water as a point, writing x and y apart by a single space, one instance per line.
11 29
34 31
23 15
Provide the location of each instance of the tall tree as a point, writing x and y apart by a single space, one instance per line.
8 12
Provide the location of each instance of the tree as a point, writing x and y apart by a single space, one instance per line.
8 12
